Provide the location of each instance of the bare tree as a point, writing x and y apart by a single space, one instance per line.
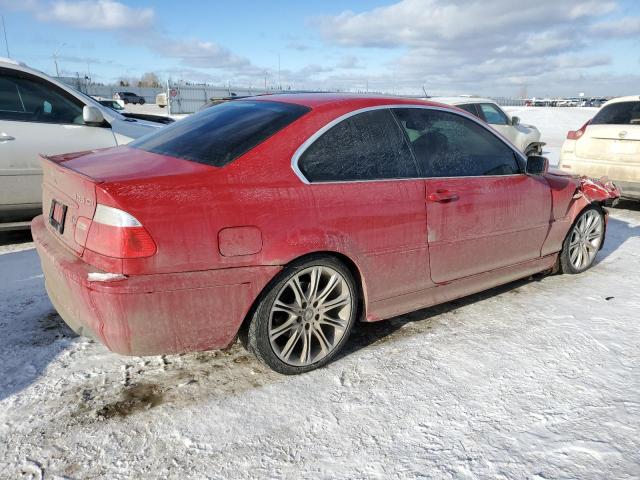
149 79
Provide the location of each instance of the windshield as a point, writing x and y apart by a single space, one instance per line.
220 134
622 113
92 101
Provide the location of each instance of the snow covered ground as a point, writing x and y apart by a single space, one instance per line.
538 379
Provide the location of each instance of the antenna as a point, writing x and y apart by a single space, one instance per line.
6 43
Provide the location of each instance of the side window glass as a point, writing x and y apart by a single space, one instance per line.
449 145
366 146
471 108
11 106
27 100
493 114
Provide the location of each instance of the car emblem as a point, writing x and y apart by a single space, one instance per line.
622 134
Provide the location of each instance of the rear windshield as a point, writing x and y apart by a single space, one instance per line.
623 113
220 134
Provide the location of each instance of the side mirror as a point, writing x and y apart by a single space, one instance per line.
515 121
92 115
537 165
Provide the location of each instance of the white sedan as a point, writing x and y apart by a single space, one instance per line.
525 137
40 115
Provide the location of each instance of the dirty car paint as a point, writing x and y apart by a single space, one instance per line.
195 292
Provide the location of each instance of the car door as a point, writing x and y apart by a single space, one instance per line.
38 117
368 193
483 212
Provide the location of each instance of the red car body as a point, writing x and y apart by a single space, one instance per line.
220 235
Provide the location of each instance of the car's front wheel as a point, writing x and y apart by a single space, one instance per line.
583 241
306 316
141 101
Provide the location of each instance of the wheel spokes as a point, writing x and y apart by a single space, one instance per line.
585 240
310 315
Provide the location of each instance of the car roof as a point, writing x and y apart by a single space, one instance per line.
461 100
21 67
629 98
314 100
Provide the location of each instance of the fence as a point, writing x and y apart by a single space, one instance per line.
190 98
107 91
510 102
186 98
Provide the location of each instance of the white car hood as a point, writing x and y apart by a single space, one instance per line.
127 129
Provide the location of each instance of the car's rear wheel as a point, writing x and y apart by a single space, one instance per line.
583 241
306 316
126 102
141 101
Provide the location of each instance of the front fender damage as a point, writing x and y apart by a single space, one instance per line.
602 192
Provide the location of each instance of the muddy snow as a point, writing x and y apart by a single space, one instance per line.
539 379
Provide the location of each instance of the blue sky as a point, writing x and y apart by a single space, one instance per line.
492 47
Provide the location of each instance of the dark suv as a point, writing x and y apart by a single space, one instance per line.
129 97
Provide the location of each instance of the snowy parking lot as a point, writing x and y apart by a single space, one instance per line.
538 379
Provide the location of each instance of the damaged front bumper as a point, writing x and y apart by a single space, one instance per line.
602 191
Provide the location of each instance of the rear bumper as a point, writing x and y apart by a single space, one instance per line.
148 314
625 177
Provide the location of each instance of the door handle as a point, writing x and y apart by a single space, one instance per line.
442 196
6 138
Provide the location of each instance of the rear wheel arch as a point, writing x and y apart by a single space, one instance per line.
348 262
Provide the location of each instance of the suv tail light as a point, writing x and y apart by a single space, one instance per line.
576 134
115 233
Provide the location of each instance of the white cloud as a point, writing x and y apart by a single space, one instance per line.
624 27
100 14
86 14
197 53
478 46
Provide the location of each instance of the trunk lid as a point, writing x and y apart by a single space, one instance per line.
72 182
66 196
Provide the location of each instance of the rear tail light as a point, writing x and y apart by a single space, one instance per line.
576 134
115 233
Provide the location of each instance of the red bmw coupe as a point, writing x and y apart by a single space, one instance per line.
287 218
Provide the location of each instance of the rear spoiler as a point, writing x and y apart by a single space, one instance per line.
59 160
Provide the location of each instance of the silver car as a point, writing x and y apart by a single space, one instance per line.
525 137
39 115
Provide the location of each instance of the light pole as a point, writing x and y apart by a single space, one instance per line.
6 43
55 58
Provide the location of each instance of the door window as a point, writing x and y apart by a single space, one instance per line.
471 108
446 144
365 146
492 114
28 100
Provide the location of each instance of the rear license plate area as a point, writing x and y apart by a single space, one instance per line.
57 215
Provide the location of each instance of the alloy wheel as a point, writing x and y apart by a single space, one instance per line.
585 240
310 315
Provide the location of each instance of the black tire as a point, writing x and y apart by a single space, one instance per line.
257 335
126 102
566 264
141 102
